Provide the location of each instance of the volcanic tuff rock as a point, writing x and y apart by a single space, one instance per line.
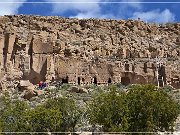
88 51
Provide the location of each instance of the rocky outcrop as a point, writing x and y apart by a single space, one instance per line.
88 51
25 85
77 90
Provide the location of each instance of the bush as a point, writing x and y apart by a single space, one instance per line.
143 108
69 110
167 88
109 109
59 115
13 117
64 86
150 109
43 119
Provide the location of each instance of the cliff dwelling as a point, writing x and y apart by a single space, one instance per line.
89 51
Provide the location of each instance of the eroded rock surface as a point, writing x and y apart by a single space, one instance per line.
88 51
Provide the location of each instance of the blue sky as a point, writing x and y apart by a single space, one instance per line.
150 12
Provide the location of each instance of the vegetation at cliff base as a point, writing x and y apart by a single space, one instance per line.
140 108
150 109
110 110
144 108
55 115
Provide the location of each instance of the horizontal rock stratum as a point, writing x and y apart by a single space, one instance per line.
88 51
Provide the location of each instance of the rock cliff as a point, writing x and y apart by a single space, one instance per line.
88 51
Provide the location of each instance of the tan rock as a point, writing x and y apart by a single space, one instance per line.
91 51
28 94
83 90
74 89
25 85
39 92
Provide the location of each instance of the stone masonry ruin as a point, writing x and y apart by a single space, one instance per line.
88 51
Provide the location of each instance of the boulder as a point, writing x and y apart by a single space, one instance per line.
77 90
39 92
28 94
25 85
83 90
74 89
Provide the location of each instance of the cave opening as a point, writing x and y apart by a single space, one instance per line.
52 79
65 80
145 67
109 80
125 80
95 80
162 76
126 67
79 80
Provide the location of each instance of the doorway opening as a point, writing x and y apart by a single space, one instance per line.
109 80
126 67
79 80
65 80
95 81
125 80
145 67
52 79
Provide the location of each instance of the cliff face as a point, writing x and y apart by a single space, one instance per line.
88 51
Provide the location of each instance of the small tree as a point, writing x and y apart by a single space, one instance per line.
69 110
42 119
13 117
16 116
109 110
150 109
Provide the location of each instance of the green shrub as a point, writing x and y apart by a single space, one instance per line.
43 119
109 109
167 88
143 108
64 86
13 117
150 109
69 110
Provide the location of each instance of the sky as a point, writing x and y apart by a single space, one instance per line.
154 11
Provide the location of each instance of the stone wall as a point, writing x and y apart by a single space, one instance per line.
88 51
